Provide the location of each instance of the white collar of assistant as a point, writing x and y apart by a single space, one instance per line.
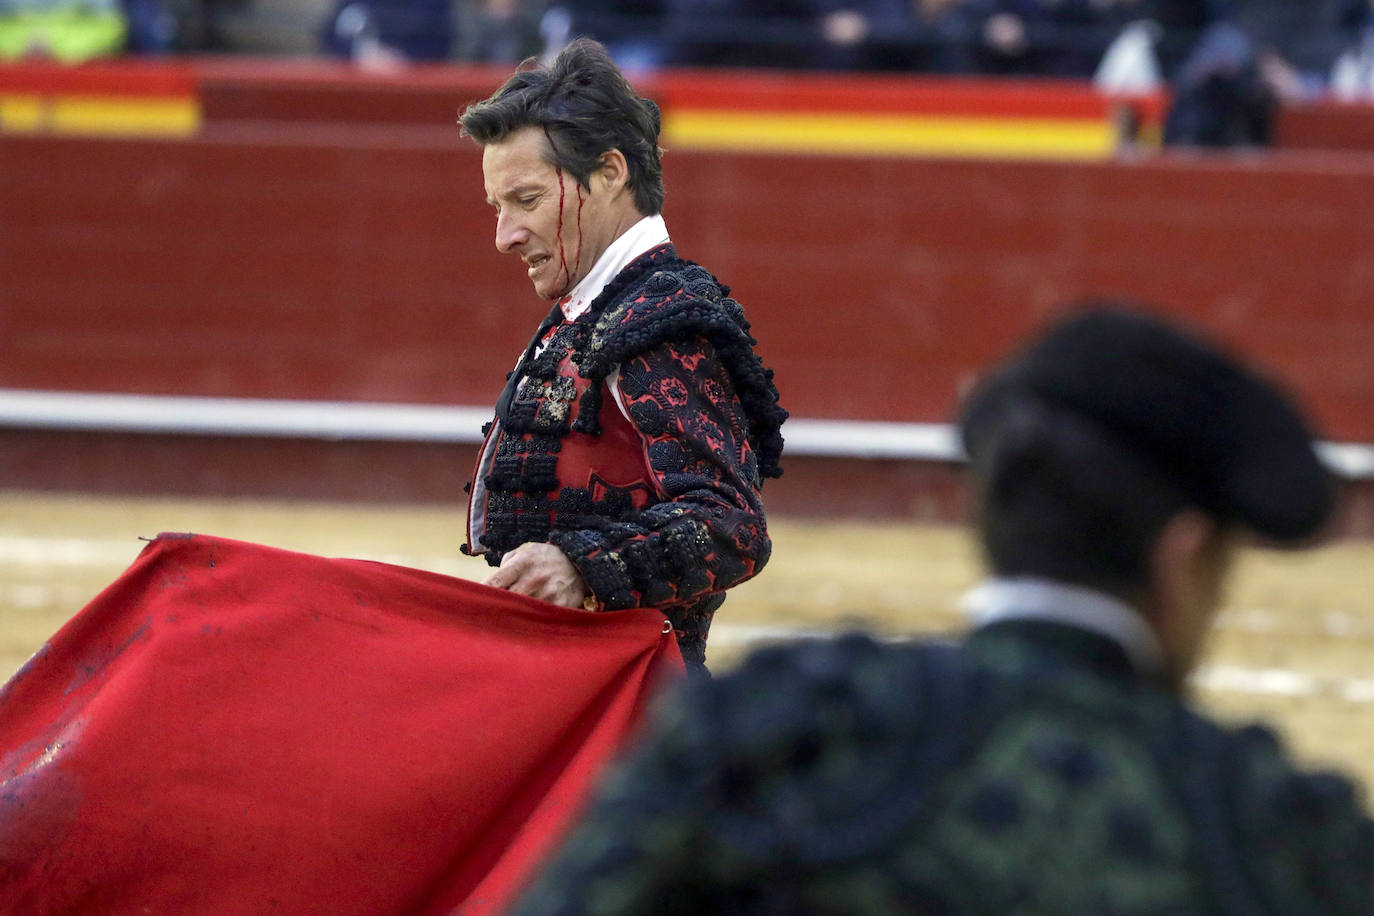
645 235
1028 598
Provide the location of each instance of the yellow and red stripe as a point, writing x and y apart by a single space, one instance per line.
764 111
805 113
124 97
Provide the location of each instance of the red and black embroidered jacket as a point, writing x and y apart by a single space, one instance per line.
661 509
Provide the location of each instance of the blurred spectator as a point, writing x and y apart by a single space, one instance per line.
1130 66
631 30
390 32
499 31
200 24
152 29
1220 98
1032 37
1255 55
723 33
1064 38
1352 76
929 36
75 30
1179 22
69 31
1296 42
821 34
1052 37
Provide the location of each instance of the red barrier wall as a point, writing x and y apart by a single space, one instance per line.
330 263
323 236
1326 125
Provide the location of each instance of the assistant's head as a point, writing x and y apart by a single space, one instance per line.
570 160
1120 453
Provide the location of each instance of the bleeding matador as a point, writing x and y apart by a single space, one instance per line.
648 497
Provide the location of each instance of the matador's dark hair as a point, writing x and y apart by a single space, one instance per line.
585 106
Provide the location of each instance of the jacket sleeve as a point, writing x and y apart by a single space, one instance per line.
707 532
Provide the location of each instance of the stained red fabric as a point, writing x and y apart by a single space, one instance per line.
231 728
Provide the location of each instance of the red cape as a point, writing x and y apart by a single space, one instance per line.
230 728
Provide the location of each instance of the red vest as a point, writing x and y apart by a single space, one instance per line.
520 487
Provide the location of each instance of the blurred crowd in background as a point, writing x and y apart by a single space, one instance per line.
1230 50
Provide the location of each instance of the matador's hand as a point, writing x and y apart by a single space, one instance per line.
541 571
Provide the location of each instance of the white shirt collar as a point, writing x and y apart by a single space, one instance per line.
1028 598
645 235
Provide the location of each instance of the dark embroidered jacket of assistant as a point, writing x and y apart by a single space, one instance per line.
1029 771
661 509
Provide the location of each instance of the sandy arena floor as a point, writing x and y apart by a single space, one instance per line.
1295 645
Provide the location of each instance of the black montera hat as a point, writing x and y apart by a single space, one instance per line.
1230 439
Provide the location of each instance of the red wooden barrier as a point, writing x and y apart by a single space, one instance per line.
1326 125
323 264
323 236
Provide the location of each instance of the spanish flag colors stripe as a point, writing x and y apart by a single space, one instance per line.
746 111
132 97
850 134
